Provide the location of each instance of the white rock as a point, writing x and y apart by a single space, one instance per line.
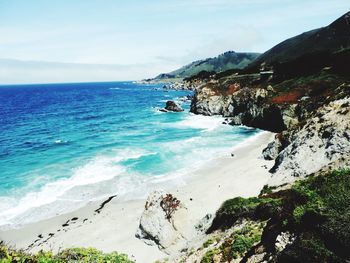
323 140
284 239
156 229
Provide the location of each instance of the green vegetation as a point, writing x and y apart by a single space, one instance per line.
266 190
316 210
237 244
209 242
209 255
225 61
314 46
9 255
252 208
308 248
243 240
322 216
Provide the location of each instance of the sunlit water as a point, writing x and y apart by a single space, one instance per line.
62 145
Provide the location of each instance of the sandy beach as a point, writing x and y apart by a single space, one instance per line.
110 225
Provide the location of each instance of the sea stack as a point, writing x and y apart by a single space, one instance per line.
172 106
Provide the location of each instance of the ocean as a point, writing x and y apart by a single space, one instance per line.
63 145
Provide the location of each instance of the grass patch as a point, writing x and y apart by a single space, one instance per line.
9 255
323 207
209 255
239 207
241 241
209 242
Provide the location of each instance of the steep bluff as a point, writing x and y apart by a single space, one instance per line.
309 114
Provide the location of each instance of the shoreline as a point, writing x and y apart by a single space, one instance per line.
113 227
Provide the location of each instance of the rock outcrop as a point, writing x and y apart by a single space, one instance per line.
158 227
284 239
172 106
250 106
323 140
311 119
180 85
273 149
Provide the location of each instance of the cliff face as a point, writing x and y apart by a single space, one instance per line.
310 115
247 106
323 142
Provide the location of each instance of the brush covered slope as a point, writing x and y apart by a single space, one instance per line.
315 45
308 222
223 62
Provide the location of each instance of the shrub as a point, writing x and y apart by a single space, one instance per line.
209 256
241 241
308 249
169 205
288 97
323 207
208 243
8 255
241 245
239 207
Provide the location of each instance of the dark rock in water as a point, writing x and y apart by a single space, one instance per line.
172 106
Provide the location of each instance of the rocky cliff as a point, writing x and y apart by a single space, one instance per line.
299 89
310 115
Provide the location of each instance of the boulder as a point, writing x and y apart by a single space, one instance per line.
162 222
172 106
274 148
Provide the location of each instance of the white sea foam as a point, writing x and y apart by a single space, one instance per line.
98 170
105 175
194 121
60 141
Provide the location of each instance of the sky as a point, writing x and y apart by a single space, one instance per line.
44 41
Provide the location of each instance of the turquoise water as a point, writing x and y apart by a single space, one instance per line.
62 145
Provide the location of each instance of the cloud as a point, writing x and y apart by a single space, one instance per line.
239 38
140 38
17 72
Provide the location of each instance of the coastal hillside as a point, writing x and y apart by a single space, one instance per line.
315 45
243 157
300 90
290 101
223 62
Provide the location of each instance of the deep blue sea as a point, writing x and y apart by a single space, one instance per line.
62 145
